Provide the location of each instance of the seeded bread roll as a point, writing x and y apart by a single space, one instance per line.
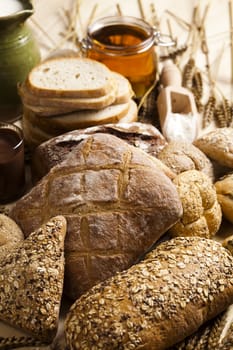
202 215
180 285
218 145
117 203
31 281
10 235
224 188
180 156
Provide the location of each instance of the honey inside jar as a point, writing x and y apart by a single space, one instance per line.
125 45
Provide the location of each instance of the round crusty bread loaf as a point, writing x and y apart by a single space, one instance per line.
10 235
218 145
117 203
202 215
70 77
180 285
224 188
181 156
141 135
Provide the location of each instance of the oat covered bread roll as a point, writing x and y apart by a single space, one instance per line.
224 188
141 135
180 156
178 286
218 145
31 281
10 235
202 215
117 203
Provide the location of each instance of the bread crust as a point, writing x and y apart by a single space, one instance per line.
179 286
143 136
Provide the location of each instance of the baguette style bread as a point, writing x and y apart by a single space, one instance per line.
166 297
70 77
117 203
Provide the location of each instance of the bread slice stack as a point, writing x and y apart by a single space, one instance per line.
68 93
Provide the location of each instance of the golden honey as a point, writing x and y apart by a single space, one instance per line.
126 45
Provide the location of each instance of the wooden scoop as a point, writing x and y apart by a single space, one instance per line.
176 106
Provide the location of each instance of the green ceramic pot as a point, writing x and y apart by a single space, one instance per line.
19 53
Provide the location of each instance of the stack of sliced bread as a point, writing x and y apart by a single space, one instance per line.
68 93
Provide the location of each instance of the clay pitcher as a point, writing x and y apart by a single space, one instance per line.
19 53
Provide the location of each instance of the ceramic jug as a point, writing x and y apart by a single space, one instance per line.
19 53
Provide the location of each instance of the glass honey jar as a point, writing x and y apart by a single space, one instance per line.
126 45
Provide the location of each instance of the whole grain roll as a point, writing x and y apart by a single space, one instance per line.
181 156
202 215
11 235
218 145
158 302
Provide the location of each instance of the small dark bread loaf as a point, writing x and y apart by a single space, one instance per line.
144 136
180 285
180 156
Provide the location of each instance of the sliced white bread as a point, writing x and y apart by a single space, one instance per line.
124 89
131 115
70 77
48 106
54 104
78 119
35 134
